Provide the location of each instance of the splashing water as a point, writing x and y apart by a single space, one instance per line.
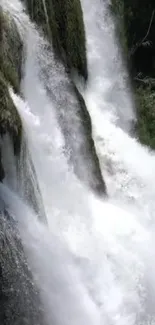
94 262
108 85
129 166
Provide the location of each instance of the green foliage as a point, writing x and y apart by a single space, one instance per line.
62 22
146 116
136 15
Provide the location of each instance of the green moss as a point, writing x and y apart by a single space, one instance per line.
10 51
43 13
62 22
74 37
146 116
10 74
9 118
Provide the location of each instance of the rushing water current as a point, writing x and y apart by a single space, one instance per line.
94 262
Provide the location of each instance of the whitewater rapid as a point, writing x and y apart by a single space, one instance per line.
94 262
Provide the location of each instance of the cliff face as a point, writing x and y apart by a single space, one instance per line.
136 26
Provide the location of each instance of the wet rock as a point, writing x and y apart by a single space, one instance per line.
10 121
19 297
11 50
62 22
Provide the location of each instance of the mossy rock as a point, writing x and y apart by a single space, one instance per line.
62 22
9 118
11 50
10 74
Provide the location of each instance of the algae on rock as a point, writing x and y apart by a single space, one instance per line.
10 51
146 115
9 118
10 74
62 22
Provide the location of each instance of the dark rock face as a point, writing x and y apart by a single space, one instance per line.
9 119
19 298
137 25
88 150
10 73
138 29
62 22
11 50
28 183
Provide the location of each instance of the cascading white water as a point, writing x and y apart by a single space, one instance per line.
94 264
108 80
129 166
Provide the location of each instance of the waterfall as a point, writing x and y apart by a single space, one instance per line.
109 87
94 261
129 166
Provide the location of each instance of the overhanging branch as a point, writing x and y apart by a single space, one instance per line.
134 49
